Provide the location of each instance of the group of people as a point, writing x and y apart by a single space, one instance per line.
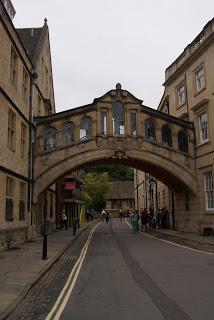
150 219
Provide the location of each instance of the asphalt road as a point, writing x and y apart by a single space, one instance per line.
128 276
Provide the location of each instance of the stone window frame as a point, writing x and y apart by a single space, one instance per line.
11 132
89 135
180 103
196 72
52 140
166 126
133 127
72 127
23 138
199 109
9 208
104 125
183 144
203 129
13 67
147 130
123 122
208 188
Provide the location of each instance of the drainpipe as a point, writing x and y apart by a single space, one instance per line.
187 97
33 78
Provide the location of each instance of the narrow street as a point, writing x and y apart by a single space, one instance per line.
132 276
111 273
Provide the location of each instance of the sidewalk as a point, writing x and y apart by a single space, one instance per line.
22 266
203 243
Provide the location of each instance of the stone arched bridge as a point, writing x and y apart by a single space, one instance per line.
115 128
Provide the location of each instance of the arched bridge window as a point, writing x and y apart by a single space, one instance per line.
67 133
167 135
50 138
183 141
85 128
150 131
118 120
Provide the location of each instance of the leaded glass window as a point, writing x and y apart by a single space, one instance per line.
203 127
183 141
150 131
208 187
85 128
200 79
118 118
50 138
133 124
167 136
103 122
67 133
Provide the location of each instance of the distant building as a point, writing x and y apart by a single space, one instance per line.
120 196
71 197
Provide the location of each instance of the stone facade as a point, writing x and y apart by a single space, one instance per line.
188 95
19 93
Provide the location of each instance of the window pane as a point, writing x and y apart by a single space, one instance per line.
50 139
133 124
68 133
103 122
208 186
203 126
85 128
183 142
118 118
150 131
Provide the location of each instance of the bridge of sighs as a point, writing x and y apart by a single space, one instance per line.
115 129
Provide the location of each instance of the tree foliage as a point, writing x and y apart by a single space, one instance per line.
96 187
115 172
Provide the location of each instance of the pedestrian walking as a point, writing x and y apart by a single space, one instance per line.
107 216
134 221
120 215
144 219
64 220
103 215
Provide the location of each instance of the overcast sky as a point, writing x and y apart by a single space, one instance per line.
97 43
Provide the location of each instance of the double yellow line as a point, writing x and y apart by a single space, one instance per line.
62 300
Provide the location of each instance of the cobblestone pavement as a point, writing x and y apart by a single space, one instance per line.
39 300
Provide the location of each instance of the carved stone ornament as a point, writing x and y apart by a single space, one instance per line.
119 151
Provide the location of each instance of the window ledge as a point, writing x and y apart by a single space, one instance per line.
209 212
199 91
203 143
181 105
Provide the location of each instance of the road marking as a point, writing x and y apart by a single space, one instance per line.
68 287
175 244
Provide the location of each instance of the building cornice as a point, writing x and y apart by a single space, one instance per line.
191 52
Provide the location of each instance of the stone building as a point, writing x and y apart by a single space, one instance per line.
120 196
70 195
188 95
26 90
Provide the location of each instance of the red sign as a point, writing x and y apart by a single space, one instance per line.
70 185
